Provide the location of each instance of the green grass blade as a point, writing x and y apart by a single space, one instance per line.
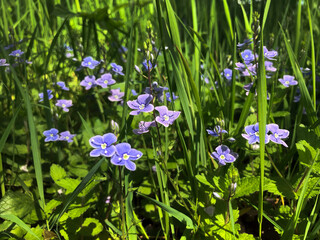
313 60
132 230
228 16
86 125
19 222
289 230
265 13
173 212
298 24
262 119
305 96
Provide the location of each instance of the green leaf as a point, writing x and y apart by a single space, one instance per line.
202 179
90 227
57 172
247 186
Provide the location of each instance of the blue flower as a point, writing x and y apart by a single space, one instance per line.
278 134
247 56
245 43
116 95
253 134
227 73
50 96
105 80
66 136
124 156
103 145
134 93
51 135
147 65
224 155
269 54
63 86
217 131
117 69
88 82
142 104
3 63
169 97
144 127
64 104
166 117
89 62
16 53
288 80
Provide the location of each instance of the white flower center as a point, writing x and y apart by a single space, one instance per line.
103 145
276 135
89 63
105 81
51 135
89 83
116 96
166 118
125 156
287 82
257 134
222 157
63 105
141 106
17 54
246 56
67 138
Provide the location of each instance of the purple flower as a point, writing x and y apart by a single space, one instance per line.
247 56
89 62
103 145
269 54
158 90
116 95
245 43
224 155
137 68
88 82
66 136
117 68
63 86
253 134
64 104
166 117
16 53
278 134
144 127
217 131
50 96
240 66
142 104
3 63
288 80
68 48
105 80
134 93
251 70
269 66
51 135
227 73
124 155
148 65
169 97
205 79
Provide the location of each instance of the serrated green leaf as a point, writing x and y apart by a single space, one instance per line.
281 114
247 186
69 184
57 172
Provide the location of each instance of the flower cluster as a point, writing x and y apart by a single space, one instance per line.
122 154
276 136
223 154
53 135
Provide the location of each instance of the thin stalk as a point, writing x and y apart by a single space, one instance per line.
123 225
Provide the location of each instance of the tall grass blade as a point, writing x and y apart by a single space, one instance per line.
19 222
305 96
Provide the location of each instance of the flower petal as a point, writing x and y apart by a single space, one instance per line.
130 165
109 138
123 148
